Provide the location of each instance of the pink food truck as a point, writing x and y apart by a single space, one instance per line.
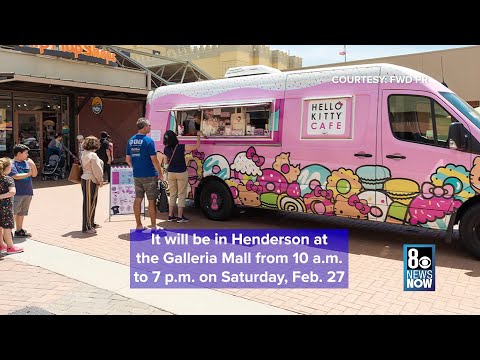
373 142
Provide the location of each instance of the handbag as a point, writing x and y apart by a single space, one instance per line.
162 201
75 174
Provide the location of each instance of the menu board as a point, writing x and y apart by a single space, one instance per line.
122 191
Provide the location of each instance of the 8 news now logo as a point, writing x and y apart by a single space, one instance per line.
418 267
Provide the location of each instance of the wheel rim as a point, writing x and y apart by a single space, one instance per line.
215 202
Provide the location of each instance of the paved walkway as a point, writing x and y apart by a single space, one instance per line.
109 278
375 262
23 285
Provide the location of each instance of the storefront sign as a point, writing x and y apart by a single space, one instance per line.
80 52
97 105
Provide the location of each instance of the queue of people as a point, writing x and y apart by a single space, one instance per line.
95 157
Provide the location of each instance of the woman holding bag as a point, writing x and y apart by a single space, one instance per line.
177 175
92 180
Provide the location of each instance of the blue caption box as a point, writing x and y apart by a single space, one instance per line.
201 258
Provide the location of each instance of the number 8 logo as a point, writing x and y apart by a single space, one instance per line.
413 261
412 258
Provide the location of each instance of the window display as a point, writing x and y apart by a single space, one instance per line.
225 121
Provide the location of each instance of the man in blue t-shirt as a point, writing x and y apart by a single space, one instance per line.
23 169
142 158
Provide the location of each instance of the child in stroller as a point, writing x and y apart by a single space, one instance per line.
55 166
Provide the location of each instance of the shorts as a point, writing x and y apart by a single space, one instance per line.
148 185
21 204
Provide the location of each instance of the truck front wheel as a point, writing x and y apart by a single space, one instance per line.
216 201
470 230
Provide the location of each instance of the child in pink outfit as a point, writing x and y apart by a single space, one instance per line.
7 192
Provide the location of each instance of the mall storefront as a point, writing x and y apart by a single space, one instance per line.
33 120
41 95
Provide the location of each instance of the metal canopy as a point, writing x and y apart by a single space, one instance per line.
163 70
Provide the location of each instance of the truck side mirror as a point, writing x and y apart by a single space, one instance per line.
457 136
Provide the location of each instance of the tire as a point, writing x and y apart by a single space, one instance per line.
55 177
217 194
470 230
44 178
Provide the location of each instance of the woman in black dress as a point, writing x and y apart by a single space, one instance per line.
7 192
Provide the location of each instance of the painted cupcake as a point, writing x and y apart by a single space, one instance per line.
246 165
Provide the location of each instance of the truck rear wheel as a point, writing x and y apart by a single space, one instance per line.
470 230
216 201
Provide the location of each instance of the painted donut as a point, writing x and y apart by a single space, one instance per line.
216 165
310 173
343 182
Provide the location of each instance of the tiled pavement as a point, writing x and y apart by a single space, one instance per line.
375 261
23 285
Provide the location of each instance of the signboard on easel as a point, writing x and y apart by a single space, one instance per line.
122 191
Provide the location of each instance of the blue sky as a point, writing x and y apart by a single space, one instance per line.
328 54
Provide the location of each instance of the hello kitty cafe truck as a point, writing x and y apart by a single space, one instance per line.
374 142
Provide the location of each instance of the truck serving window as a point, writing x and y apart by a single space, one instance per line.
226 121
419 119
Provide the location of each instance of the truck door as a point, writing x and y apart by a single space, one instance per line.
330 135
427 179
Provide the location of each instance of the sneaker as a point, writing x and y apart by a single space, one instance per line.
3 249
183 219
14 250
172 218
22 233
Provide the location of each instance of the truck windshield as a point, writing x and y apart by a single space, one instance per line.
463 107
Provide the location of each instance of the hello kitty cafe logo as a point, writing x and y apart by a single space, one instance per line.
326 117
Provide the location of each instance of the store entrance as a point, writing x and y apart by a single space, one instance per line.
28 130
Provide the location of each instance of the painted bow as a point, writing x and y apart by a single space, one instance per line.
255 188
198 154
355 201
257 159
318 191
430 190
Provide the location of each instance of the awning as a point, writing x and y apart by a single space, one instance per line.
18 82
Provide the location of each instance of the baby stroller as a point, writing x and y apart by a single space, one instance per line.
54 168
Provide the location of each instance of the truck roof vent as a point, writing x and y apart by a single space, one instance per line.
250 70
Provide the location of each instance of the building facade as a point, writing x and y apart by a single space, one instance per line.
215 60
74 90
458 68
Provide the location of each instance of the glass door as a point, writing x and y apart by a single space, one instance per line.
28 131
